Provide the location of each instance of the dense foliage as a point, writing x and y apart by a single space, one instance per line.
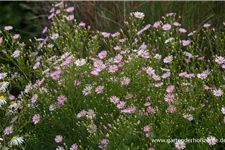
29 17
87 89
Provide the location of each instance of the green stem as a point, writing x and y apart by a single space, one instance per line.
18 67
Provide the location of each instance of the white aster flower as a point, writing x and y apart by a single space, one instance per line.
54 36
87 90
80 62
157 56
16 53
125 81
139 15
2 100
16 140
3 86
90 114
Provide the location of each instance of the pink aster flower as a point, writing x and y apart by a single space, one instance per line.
105 34
36 118
52 10
115 34
116 48
11 97
118 58
74 147
98 63
223 110
8 130
121 104
206 25
166 75
61 99
34 98
189 75
156 77
171 109
211 140
159 84
114 99
113 68
170 89
103 144
169 98
102 54
44 30
59 4
180 144
16 36
220 60
99 89
101 67
168 59
147 128
185 42
217 92
129 110
57 11
51 16
182 30
82 24
223 66
147 103
166 27
182 74
94 72
151 110
157 24
144 29
122 40
70 17
7 28
70 9
188 117
60 148
36 65
150 71
58 138
177 24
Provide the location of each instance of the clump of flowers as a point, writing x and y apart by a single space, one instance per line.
91 89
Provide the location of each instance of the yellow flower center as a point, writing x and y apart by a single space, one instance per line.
2 97
14 137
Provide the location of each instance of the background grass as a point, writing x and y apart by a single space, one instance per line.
29 18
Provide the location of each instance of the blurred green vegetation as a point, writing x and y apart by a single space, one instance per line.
14 14
29 18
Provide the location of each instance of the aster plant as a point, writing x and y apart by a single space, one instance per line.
87 89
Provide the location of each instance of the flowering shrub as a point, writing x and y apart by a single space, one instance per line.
87 89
